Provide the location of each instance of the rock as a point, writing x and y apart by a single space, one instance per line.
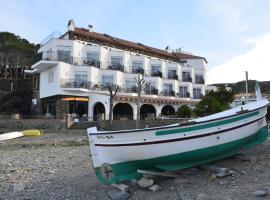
182 181
259 193
184 196
145 182
118 195
202 196
155 188
18 187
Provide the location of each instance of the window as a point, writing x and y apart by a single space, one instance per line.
50 77
172 74
155 68
130 85
64 55
92 56
167 89
197 94
137 64
199 79
116 60
186 77
107 80
151 89
183 92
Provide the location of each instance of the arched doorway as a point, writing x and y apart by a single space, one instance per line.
167 111
147 111
122 111
99 112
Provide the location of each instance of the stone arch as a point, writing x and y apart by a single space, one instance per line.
122 111
147 111
168 110
98 112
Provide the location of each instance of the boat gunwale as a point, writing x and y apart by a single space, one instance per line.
178 125
182 138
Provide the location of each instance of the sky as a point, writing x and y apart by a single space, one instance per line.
233 35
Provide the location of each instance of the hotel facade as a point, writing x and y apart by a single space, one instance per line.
74 70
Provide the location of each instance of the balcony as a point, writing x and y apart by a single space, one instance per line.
197 96
186 79
71 83
152 91
184 95
157 74
137 71
116 66
67 58
201 81
173 76
91 62
168 93
132 89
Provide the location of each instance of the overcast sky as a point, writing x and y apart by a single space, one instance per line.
233 35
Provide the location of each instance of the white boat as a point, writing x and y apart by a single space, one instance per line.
117 155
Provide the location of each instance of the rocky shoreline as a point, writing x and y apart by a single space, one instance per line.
57 166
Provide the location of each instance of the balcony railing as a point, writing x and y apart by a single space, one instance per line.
173 76
157 74
137 70
184 95
71 83
168 93
116 66
67 58
197 96
152 91
201 81
186 79
132 89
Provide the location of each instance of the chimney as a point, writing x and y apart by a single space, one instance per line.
168 49
90 27
71 25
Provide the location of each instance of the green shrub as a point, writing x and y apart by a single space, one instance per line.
184 112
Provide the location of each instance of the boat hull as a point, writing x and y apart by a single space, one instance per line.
117 157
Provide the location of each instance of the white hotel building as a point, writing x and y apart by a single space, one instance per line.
75 68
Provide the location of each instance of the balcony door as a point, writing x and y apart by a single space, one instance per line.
81 79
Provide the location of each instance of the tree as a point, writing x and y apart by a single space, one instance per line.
214 101
112 92
184 112
141 85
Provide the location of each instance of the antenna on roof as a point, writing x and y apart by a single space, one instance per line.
71 25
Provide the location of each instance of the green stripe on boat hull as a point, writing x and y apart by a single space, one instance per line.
128 170
208 125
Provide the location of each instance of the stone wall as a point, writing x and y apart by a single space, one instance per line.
125 124
22 124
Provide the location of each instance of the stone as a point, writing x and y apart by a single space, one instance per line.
184 196
155 188
145 182
18 187
118 195
259 193
181 181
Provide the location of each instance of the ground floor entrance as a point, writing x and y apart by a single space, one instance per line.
60 106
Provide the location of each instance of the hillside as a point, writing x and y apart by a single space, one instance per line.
16 54
240 87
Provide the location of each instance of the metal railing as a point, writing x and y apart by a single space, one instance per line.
157 74
173 76
152 91
186 79
168 93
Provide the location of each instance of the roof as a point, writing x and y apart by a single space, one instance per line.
107 40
